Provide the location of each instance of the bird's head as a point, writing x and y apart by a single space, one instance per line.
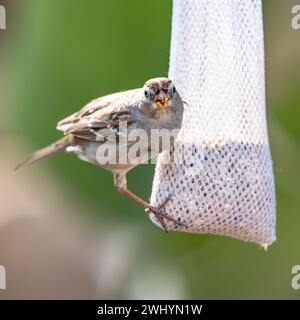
159 91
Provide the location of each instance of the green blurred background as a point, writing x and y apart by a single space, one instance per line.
56 56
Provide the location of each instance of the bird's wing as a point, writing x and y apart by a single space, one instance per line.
100 119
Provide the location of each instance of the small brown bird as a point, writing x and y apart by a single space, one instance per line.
105 125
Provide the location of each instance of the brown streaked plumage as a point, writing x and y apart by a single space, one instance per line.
155 106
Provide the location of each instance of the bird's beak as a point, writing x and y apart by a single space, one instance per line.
162 100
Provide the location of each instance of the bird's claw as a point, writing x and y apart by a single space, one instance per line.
161 215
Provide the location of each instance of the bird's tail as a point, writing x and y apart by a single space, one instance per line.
46 152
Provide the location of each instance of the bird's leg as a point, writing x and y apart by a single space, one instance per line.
121 186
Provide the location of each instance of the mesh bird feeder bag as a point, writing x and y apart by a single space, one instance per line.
220 177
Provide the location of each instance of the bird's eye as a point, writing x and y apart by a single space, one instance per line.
173 90
146 93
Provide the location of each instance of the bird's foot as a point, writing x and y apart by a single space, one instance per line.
161 215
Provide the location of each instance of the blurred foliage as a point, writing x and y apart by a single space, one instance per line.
65 53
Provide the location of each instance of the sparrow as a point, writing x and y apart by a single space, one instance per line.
106 122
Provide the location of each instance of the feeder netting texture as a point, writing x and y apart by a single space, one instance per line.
220 177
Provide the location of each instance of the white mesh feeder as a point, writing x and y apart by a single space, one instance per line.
221 176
